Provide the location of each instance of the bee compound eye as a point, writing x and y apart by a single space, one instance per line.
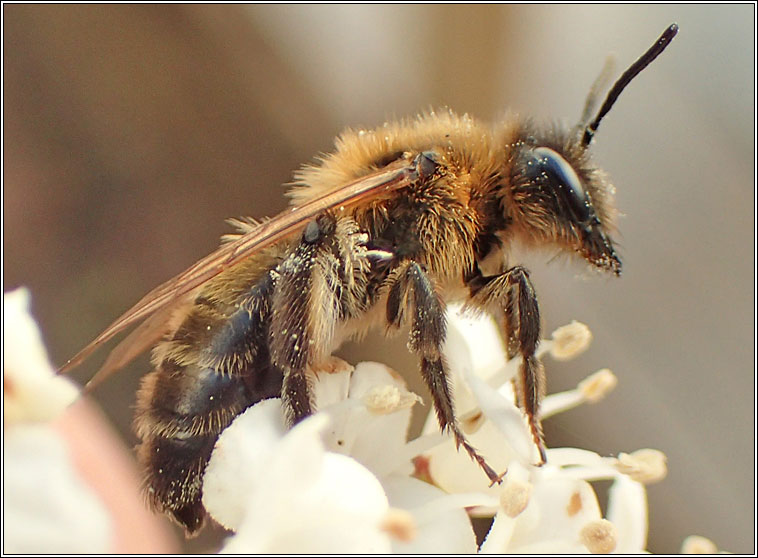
549 169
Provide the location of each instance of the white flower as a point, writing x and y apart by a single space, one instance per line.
31 390
348 480
47 507
338 481
295 497
557 511
549 509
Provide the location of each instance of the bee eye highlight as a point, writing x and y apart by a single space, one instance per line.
547 169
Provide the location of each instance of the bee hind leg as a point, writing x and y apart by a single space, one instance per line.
512 294
412 290
290 339
305 306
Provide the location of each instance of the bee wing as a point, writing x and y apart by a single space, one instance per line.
144 336
161 301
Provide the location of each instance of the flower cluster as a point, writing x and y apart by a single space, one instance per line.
348 479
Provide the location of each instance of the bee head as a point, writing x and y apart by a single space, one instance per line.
558 195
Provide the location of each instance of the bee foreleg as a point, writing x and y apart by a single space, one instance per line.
513 294
413 290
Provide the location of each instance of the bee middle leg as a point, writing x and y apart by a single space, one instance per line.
512 293
412 290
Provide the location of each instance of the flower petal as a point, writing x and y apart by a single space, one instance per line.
340 512
242 452
47 507
627 509
31 390
498 539
442 524
371 425
332 382
557 510
506 417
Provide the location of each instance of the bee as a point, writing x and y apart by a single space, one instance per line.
388 229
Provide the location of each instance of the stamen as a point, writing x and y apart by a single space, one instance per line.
570 341
399 525
596 386
695 544
333 365
386 399
590 390
599 536
646 466
515 496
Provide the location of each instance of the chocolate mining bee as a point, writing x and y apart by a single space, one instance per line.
387 229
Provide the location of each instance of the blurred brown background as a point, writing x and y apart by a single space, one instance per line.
132 132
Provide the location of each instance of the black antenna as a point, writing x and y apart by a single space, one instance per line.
652 53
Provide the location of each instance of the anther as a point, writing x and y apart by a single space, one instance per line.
599 536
